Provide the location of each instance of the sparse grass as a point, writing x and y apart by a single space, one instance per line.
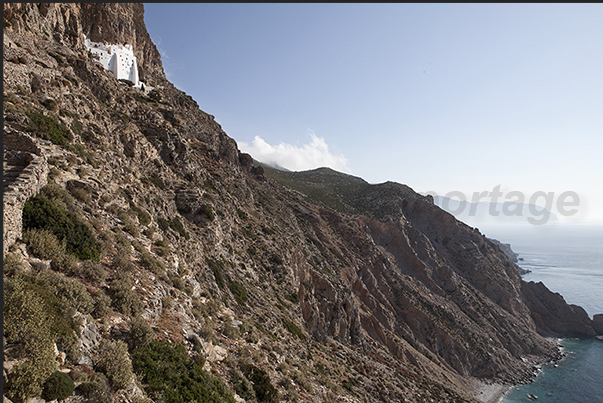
84 154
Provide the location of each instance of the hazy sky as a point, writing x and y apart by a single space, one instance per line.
440 97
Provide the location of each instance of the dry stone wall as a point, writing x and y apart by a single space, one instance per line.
20 149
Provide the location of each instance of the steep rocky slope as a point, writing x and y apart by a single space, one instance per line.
308 286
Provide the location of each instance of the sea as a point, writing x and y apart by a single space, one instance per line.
568 259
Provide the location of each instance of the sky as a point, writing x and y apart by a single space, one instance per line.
440 97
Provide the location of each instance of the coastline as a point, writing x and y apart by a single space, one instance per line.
490 392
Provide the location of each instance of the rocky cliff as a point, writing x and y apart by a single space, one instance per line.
308 286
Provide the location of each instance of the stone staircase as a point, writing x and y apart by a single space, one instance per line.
25 172
10 174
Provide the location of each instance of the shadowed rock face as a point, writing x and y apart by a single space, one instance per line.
553 316
372 287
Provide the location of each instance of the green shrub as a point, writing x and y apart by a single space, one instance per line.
71 346
177 226
29 321
155 95
129 225
239 292
166 370
217 267
152 264
26 379
58 386
263 388
207 330
43 243
114 361
242 386
176 280
39 212
276 259
293 298
102 303
293 329
206 211
50 104
80 193
53 173
155 180
93 271
144 218
59 195
230 331
124 299
97 390
73 293
77 126
12 264
141 333
12 98
167 302
48 128
163 223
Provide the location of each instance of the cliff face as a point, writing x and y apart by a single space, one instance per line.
113 23
362 292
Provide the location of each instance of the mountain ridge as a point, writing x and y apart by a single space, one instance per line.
279 291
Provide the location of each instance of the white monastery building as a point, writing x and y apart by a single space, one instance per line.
118 59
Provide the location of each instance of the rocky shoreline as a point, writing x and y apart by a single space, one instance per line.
495 392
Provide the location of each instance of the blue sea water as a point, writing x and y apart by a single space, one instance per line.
568 259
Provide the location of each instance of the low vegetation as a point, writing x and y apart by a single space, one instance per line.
40 309
58 386
42 213
265 392
114 361
48 128
167 371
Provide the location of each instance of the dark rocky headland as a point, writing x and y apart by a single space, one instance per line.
138 240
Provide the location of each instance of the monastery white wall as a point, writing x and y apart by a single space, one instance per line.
118 59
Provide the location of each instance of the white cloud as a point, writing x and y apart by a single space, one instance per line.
315 154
